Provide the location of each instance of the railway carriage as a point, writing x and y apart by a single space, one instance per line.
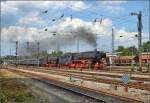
127 60
123 60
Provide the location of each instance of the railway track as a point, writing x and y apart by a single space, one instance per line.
101 73
106 74
94 77
91 93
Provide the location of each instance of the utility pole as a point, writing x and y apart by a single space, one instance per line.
10 52
139 16
0 51
149 36
38 44
27 52
112 52
27 48
57 46
149 41
112 42
77 45
16 53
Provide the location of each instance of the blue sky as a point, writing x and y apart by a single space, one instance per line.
23 20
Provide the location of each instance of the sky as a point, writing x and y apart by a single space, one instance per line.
25 21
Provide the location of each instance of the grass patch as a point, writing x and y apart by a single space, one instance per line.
14 91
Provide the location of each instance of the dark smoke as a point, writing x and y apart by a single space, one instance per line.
86 35
51 42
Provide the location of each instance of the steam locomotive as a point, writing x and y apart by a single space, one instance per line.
82 60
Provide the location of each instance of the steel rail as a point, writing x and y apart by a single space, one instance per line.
108 75
107 81
96 74
140 86
56 82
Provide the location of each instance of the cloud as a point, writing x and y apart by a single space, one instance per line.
113 2
123 35
113 7
23 34
23 11
68 25
14 6
67 34
31 18
8 7
77 5
14 33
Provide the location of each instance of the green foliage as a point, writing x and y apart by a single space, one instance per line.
132 50
146 46
127 51
24 96
13 91
44 54
3 98
56 53
120 48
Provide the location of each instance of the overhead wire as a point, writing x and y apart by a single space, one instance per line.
123 18
118 20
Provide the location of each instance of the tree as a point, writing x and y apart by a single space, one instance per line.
44 54
146 46
125 52
56 53
120 48
132 50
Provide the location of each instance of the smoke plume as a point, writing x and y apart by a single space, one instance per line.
86 35
47 40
